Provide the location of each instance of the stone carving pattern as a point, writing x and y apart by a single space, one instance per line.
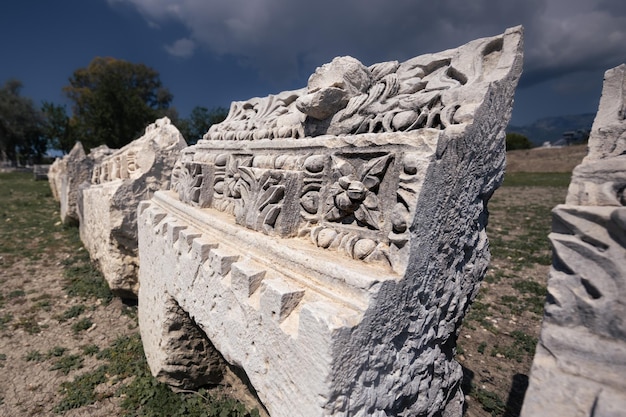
115 168
261 118
337 196
401 97
230 183
597 235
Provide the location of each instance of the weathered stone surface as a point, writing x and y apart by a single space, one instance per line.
333 260
54 177
580 363
68 173
108 205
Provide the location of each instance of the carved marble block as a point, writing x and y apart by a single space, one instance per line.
67 174
108 205
580 365
329 240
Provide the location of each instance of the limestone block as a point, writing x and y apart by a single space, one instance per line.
580 363
329 248
108 209
66 175
54 177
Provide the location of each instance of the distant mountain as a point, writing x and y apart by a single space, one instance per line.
552 129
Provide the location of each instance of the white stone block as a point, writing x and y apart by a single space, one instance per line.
348 221
108 205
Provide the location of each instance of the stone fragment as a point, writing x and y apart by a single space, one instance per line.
333 255
580 363
108 205
67 174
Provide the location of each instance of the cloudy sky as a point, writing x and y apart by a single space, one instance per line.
211 52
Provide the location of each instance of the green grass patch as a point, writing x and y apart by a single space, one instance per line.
143 395
81 391
16 294
81 325
90 350
83 279
489 401
34 356
530 287
73 311
45 305
523 345
29 324
56 351
479 313
28 218
528 243
4 320
66 364
537 179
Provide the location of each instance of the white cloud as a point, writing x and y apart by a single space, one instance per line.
182 48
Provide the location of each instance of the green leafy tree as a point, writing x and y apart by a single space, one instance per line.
21 139
57 128
199 122
517 141
114 100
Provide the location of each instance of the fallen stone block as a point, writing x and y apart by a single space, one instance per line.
67 174
580 362
328 241
54 177
108 204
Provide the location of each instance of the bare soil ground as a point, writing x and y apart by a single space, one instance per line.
546 159
52 334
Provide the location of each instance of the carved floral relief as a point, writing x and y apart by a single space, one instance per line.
353 197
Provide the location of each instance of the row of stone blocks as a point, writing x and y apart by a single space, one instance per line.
100 192
325 243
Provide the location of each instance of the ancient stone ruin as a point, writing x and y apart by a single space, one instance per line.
580 364
67 174
328 241
108 205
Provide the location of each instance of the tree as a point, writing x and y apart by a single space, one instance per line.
114 100
199 122
57 128
517 141
21 122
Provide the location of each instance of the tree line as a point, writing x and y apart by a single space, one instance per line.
112 102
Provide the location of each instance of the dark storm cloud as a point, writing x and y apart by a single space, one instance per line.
284 38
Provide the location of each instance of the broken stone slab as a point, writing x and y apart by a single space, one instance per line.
67 174
108 205
580 362
330 251
54 177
